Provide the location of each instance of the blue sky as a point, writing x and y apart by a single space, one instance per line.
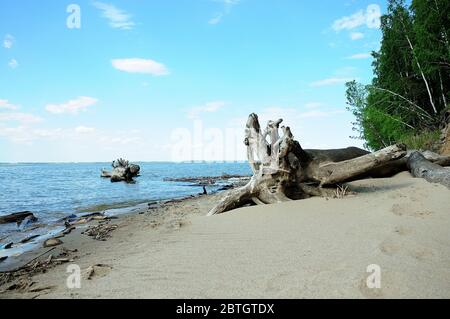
167 80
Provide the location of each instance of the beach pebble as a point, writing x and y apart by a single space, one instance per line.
96 270
52 242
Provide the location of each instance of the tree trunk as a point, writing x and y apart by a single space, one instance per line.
433 173
430 96
444 99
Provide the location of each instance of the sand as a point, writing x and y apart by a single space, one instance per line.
314 248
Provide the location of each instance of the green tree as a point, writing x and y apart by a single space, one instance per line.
410 88
432 30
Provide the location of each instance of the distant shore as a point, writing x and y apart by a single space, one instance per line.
313 248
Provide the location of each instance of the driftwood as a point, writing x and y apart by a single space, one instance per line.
283 171
122 171
17 217
100 232
206 180
401 165
432 172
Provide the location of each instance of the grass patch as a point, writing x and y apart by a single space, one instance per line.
423 141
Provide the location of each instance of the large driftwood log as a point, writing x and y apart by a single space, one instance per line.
432 172
283 171
122 171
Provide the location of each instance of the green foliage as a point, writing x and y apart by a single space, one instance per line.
411 84
420 141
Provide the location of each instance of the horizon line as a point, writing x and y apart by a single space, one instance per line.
93 162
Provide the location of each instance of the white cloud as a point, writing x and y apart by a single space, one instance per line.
8 41
356 35
118 19
227 6
24 118
84 130
371 18
209 107
13 63
136 65
122 137
73 106
216 19
25 135
16 134
331 81
79 136
359 56
5 104
350 22
47 133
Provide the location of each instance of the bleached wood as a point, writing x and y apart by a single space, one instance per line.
283 171
423 168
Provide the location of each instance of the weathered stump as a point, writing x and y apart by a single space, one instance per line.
122 171
283 171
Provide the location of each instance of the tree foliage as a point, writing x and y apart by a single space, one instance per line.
410 90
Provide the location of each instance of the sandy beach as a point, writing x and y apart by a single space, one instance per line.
313 248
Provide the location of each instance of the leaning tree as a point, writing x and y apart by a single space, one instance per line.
284 171
122 171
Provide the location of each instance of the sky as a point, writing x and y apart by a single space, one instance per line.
153 80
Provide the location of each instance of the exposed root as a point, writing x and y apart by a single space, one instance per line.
234 199
341 191
283 171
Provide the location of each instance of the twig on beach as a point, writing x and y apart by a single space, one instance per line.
100 232
341 191
22 275
37 257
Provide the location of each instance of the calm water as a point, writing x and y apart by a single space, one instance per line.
52 191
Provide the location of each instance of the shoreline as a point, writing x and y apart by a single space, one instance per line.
29 246
312 248
16 278
28 242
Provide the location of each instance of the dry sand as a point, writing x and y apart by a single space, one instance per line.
314 248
